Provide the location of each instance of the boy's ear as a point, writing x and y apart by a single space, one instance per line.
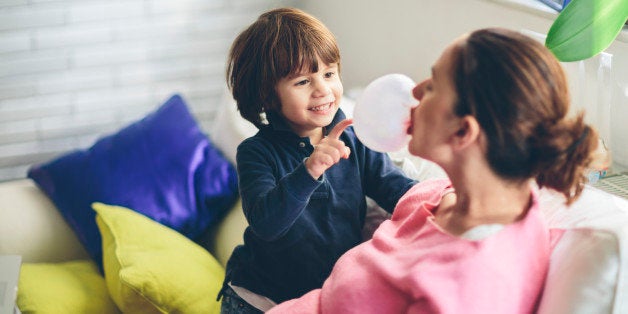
467 133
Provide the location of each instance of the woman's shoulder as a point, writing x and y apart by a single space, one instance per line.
425 194
430 189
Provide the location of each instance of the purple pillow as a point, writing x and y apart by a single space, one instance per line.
162 166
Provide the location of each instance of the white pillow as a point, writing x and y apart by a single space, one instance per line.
589 264
229 129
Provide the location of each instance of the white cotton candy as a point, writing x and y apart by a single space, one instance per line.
382 113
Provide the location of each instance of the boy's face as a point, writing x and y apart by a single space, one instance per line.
309 100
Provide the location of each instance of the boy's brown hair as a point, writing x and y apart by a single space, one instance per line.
279 43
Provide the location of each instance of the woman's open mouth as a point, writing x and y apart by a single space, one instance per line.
409 126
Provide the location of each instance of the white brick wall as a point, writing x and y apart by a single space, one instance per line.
72 71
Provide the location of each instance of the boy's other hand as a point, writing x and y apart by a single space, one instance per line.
328 151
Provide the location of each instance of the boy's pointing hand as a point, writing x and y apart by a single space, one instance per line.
328 151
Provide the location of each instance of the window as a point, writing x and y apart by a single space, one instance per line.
557 5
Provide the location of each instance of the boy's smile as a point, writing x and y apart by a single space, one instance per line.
323 109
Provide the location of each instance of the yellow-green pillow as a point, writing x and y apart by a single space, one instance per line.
70 287
150 268
229 233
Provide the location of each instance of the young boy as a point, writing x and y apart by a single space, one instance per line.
304 176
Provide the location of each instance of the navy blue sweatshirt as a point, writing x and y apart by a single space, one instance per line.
299 226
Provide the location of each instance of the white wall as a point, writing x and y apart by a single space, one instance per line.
406 36
74 70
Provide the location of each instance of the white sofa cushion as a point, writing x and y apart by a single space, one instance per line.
589 264
31 226
229 129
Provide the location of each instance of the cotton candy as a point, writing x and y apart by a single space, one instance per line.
381 116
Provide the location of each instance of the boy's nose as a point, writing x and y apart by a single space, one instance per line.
321 88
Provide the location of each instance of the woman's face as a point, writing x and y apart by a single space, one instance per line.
433 121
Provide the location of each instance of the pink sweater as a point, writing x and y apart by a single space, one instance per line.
412 266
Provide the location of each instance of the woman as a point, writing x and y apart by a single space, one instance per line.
493 115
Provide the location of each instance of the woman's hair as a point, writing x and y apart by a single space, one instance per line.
518 92
279 43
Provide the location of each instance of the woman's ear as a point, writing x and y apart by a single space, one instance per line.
467 133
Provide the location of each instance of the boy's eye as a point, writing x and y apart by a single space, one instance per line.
329 74
302 82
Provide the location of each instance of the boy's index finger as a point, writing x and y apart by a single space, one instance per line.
339 128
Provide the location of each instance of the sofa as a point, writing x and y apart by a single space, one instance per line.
151 265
